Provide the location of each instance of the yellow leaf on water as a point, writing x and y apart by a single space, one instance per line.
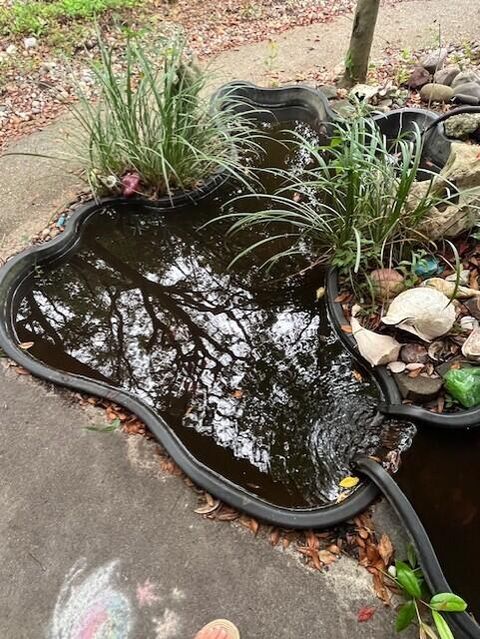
349 482
320 292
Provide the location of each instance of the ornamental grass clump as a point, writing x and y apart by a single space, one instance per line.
354 207
152 131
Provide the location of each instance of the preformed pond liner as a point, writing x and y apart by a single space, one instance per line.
17 275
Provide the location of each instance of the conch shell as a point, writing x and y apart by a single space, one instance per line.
377 349
423 311
448 288
471 348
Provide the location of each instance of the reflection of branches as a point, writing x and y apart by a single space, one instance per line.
44 350
148 287
36 315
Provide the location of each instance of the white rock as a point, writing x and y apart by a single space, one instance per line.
471 348
377 349
30 43
11 49
397 367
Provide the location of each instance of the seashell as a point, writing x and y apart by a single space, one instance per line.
414 366
377 349
468 323
423 311
448 288
387 283
396 367
442 349
464 277
471 348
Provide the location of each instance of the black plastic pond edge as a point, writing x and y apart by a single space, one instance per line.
466 419
462 622
18 269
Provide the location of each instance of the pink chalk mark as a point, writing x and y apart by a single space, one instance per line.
94 622
146 594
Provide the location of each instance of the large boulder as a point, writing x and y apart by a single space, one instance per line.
436 93
462 170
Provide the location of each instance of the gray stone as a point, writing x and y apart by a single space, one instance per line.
329 91
386 103
435 60
436 93
344 108
465 76
462 98
30 43
447 75
418 389
414 354
418 78
462 126
471 89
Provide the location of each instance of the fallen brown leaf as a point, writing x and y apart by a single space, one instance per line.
206 509
274 537
327 557
385 549
357 375
25 345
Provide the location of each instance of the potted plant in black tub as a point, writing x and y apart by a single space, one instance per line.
152 133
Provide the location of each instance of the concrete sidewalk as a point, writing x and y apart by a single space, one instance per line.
98 504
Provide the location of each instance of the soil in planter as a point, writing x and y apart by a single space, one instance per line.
440 475
244 367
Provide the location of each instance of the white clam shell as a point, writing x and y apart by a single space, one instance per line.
471 348
468 323
423 311
397 367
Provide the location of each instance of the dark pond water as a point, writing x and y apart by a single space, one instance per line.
440 475
242 366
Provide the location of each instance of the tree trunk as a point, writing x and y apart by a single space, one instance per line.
356 63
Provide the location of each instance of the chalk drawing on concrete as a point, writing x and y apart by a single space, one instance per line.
90 606
168 625
146 595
